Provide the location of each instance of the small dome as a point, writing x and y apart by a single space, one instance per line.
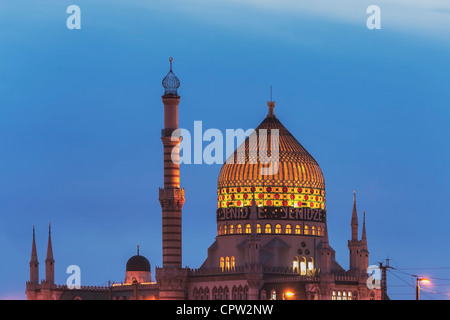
138 263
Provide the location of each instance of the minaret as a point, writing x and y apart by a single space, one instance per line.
364 251
172 278
49 261
353 244
171 196
34 263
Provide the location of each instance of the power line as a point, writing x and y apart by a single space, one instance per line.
410 285
430 268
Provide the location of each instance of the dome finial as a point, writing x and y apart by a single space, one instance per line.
137 249
170 82
271 105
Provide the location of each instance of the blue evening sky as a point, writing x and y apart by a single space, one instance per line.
81 114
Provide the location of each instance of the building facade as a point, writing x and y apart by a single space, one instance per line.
271 239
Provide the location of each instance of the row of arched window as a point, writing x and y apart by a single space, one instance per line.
227 263
343 295
303 266
221 293
268 229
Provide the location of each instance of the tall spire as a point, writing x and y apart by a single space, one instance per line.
49 261
364 236
34 263
354 223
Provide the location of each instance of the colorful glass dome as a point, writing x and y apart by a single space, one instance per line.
299 181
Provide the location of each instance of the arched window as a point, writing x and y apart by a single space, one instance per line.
224 229
313 230
295 265
349 296
226 293
268 228
195 294
333 297
233 262
273 295
262 294
306 229
248 228
239 228
227 263
234 293
303 266
278 228
339 296
320 231
344 295
258 228
310 264
222 263
231 229
288 229
219 232
298 229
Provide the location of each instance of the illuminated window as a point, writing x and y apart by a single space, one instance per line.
313 230
273 295
268 228
339 295
310 264
233 262
333 297
344 295
298 229
227 263
225 229
258 228
239 228
248 228
349 295
278 228
306 229
303 266
295 264
222 263
320 231
231 229
288 229
219 232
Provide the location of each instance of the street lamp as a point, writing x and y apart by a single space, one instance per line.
418 280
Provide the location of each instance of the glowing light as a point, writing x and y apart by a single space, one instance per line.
289 294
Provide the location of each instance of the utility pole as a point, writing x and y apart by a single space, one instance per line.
383 268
